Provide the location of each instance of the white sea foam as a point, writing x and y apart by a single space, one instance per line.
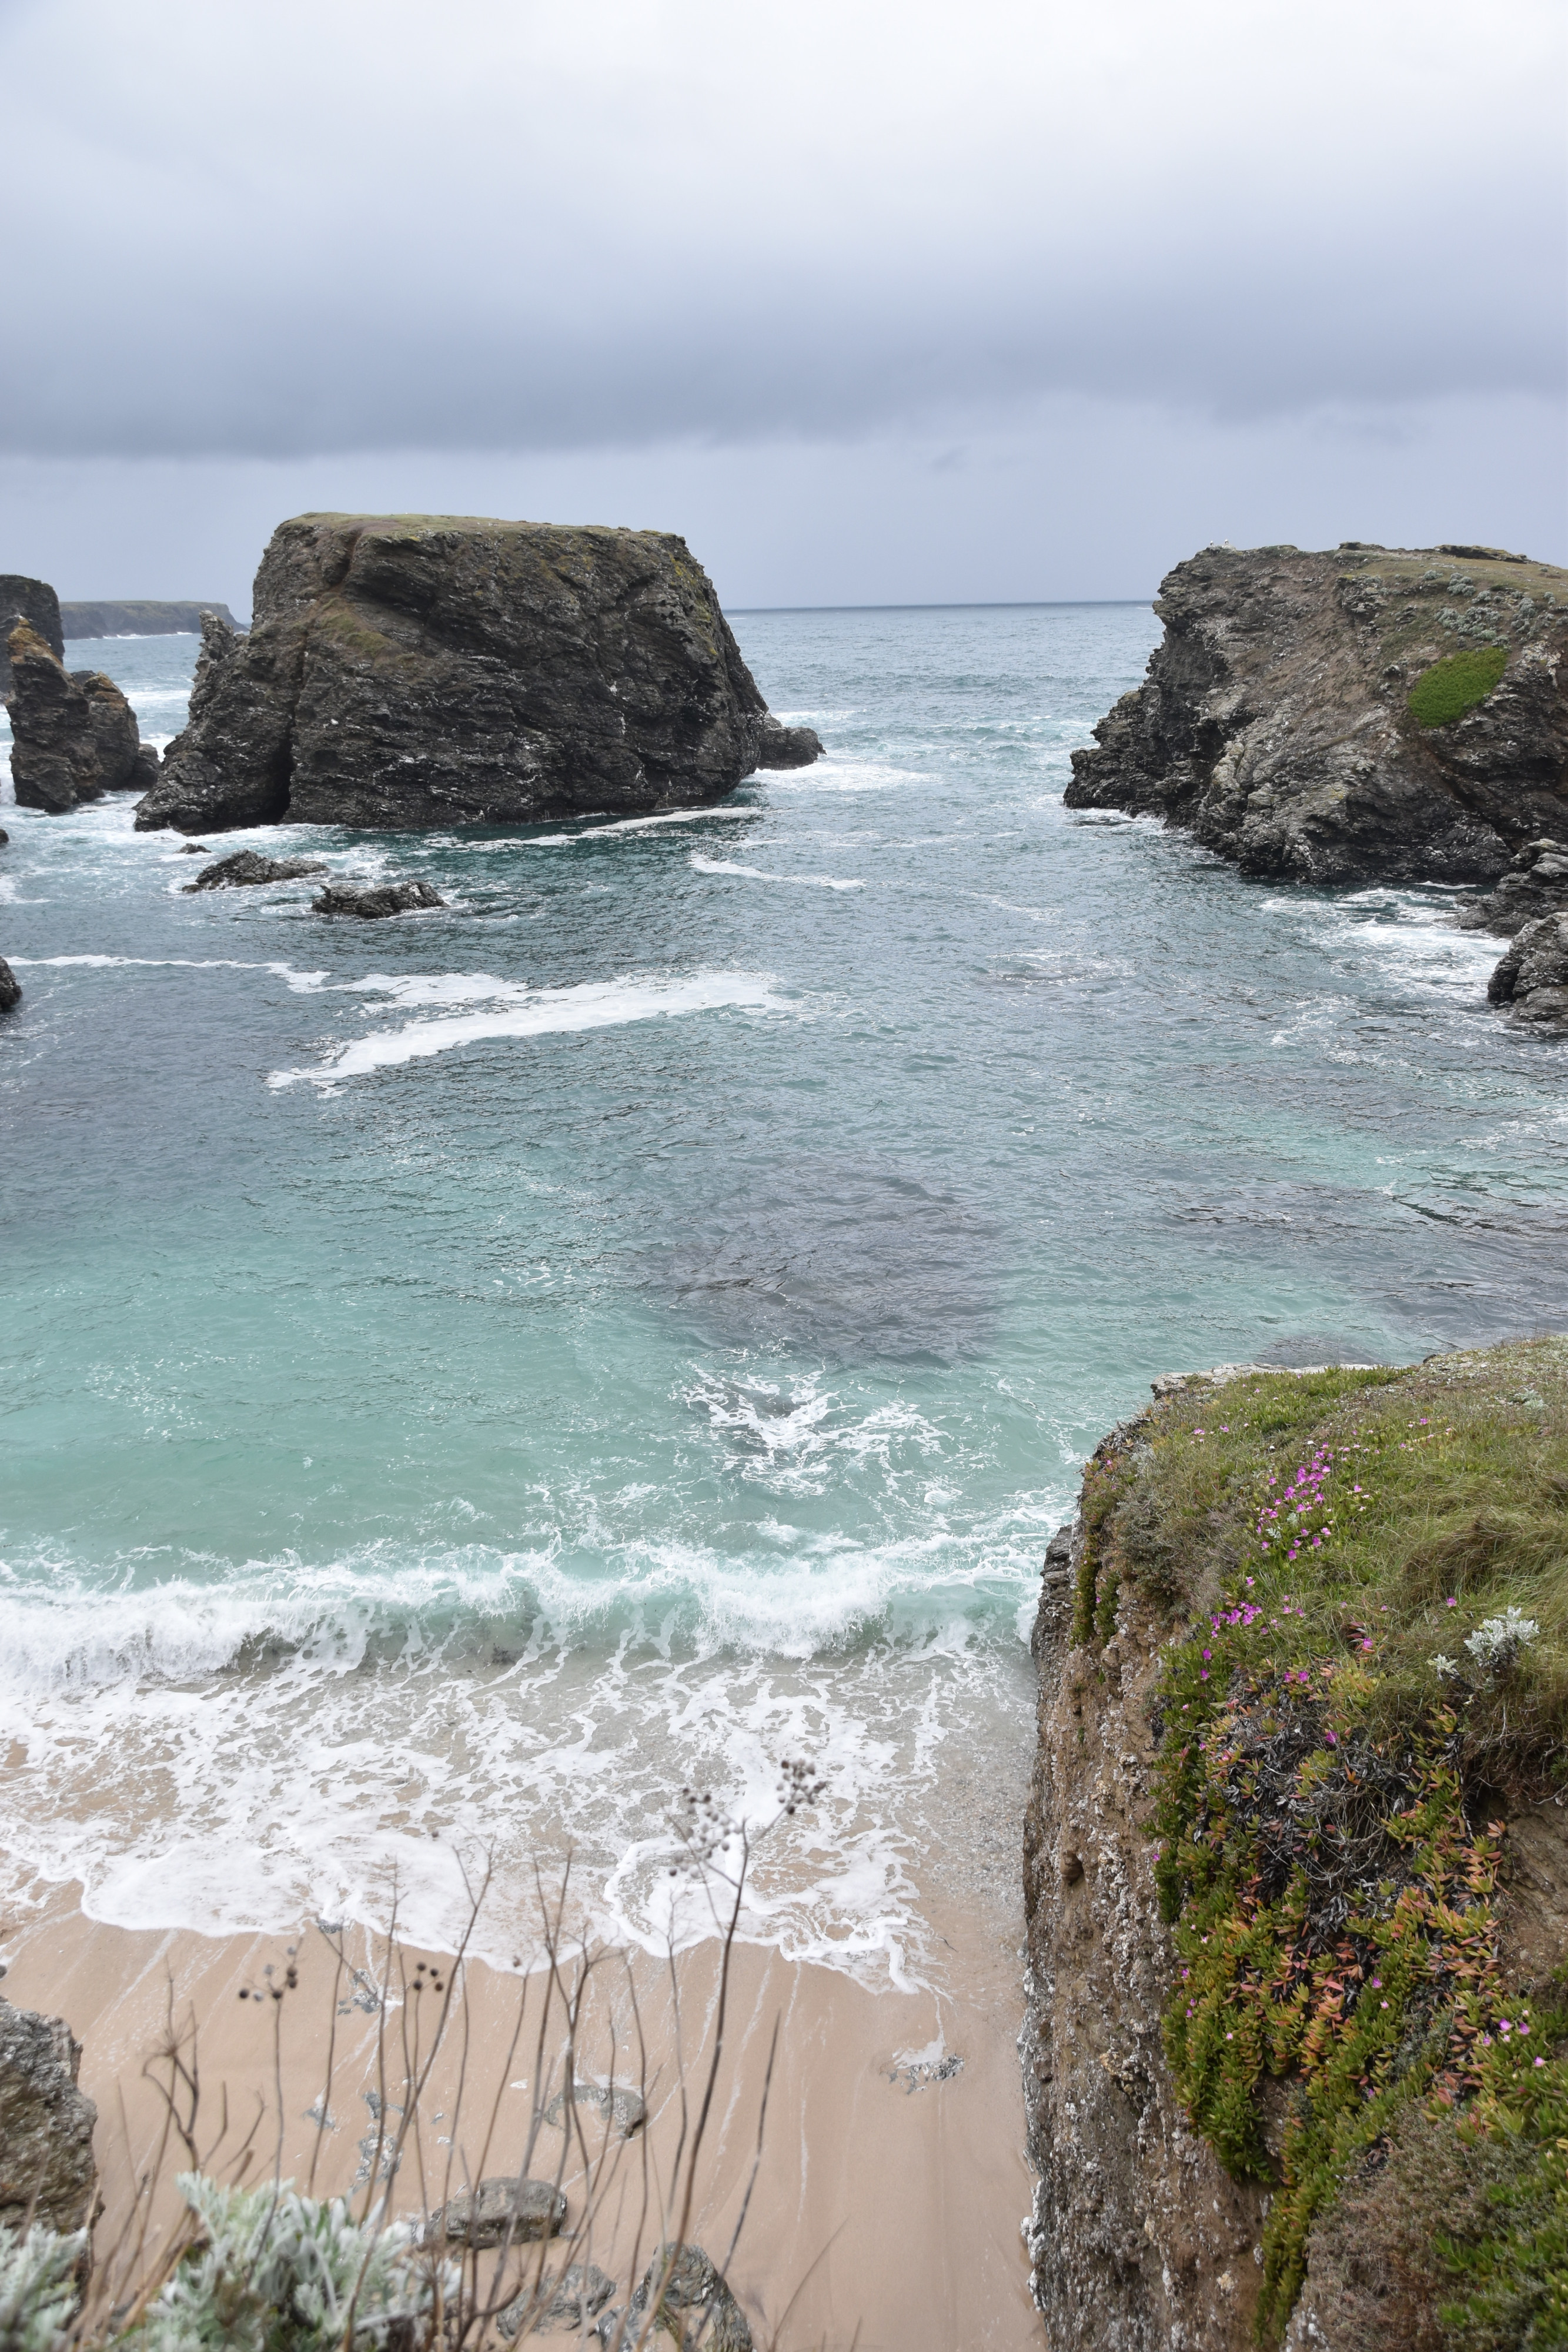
755 873
522 1012
632 825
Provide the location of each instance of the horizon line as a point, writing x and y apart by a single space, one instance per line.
954 605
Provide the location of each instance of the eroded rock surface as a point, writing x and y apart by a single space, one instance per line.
1139 2240
74 734
1536 883
10 987
1532 980
695 2306
1275 722
408 672
46 2168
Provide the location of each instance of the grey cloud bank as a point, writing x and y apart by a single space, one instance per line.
792 257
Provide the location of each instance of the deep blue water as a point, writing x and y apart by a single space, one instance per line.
477 1370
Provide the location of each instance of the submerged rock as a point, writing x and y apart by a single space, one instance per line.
515 2209
46 2168
1368 714
1532 980
34 602
247 869
408 672
74 734
376 899
10 987
570 2300
694 2303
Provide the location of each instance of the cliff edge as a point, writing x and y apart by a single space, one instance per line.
1296 1868
1366 714
410 671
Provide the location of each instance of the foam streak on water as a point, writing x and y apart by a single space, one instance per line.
472 1375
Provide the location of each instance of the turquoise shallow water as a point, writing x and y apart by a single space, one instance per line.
476 1372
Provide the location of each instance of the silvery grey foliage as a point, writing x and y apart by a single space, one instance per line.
275 2266
1498 1639
38 2287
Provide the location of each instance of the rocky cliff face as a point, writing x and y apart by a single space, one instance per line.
35 602
411 672
74 735
1276 718
1295 2053
1139 2240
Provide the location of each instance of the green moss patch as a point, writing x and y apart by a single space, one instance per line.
1366 1575
1456 684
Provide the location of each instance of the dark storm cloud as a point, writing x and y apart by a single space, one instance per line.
281 229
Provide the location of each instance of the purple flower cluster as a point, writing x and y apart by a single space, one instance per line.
1283 1522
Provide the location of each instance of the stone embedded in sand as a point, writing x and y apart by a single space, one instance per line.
381 898
74 734
46 2168
627 2110
1275 719
694 2301
570 2300
411 672
517 2211
245 870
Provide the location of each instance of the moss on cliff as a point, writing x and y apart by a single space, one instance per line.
1457 684
1365 1575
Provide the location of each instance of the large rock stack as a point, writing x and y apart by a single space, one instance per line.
74 734
412 672
1369 714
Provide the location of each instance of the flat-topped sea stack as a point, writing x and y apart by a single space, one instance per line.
1371 714
404 672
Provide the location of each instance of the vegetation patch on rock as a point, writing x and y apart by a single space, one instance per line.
1366 1579
1456 684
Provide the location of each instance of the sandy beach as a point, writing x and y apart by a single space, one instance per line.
890 2185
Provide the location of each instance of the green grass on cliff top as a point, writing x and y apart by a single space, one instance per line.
1341 1726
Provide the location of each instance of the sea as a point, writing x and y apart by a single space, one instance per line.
471 1381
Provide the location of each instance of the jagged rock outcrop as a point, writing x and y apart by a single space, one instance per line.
46 2168
74 735
246 870
10 987
410 672
1536 883
1532 980
1275 721
374 900
1139 2240
137 617
35 602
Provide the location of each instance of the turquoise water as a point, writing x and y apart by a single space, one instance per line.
473 1373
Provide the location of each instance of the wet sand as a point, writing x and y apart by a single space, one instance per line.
887 2196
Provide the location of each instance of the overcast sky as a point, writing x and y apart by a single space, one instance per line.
952 299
